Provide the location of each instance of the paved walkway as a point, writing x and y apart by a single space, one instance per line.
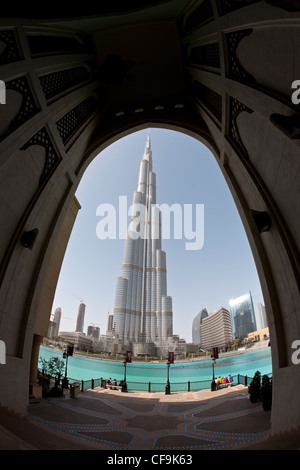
112 420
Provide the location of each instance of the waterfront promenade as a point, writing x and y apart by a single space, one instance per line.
114 421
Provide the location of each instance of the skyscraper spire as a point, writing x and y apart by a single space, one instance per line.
148 152
142 310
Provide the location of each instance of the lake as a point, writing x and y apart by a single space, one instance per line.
139 374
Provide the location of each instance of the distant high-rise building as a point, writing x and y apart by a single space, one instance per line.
262 315
80 318
93 331
143 310
54 324
51 329
89 330
242 316
110 323
216 329
196 330
96 332
56 320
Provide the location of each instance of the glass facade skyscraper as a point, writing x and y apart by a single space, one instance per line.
196 331
242 315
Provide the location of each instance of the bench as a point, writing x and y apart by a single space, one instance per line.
227 384
114 387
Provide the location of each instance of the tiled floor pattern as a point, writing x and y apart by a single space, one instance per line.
113 420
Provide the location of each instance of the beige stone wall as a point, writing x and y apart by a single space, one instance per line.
53 270
258 335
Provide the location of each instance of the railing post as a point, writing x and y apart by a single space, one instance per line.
82 386
246 381
149 387
238 379
92 384
189 386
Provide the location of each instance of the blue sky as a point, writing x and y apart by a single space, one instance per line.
186 173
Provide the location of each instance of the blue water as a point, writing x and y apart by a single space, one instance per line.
83 368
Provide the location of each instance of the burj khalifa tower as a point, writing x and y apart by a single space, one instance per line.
143 310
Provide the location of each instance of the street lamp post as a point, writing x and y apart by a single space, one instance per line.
65 382
124 385
168 388
214 356
213 384
67 353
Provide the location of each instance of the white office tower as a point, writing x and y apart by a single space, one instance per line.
143 310
262 315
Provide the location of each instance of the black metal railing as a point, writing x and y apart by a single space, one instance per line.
190 386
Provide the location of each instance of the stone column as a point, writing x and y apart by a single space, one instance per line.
34 388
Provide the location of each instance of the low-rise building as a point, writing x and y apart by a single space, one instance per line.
259 335
80 340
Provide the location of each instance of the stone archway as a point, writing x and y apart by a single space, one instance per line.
220 71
